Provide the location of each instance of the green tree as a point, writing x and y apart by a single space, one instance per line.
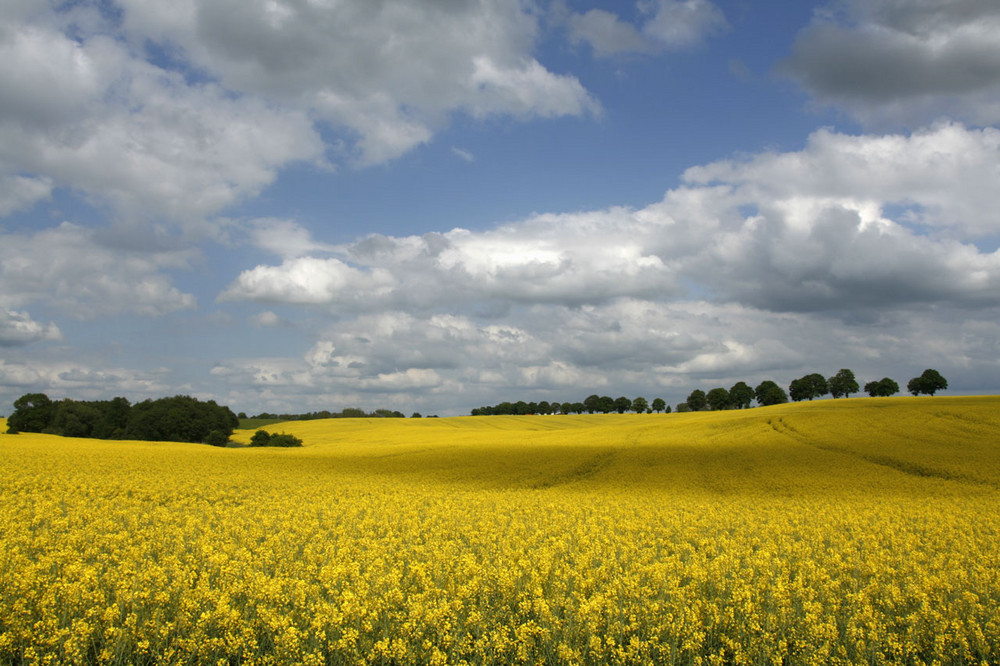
260 438
639 405
217 438
697 400
882 388
32 413
808 387
606 404
843 384
929 383
769 393
622 404
718 399
658 405
592 403
740 395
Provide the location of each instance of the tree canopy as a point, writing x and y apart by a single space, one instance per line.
843 384
882 388
718 399
808 387
179 419
930 382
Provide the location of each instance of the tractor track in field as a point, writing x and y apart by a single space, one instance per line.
913 469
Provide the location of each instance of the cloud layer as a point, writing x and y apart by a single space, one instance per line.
850 222
904 62
755 266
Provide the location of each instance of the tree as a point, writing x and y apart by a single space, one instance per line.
882 388
843 384
260 438
217 438
930 382
808 387
32 413
769 393
622 404
263 438
741 395
697 400
658 405
592 403
718 399
606 404
639 405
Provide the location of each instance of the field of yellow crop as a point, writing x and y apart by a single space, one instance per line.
848 531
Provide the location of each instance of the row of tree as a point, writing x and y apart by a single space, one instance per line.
739 396
348 413
177 419
594 404
808 387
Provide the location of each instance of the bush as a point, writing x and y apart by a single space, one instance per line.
217 438
263 438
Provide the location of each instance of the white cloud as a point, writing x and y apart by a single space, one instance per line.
87 114
284 238
463 154
21 193
18 328
182 138
670 24
266 319
79 380
848 222
389 72
69 268
683 23
854 251
904 62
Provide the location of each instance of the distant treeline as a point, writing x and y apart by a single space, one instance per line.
177 419
739 396
594 404
349 413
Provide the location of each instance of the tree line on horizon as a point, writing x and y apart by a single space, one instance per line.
180 418
739 396
346 413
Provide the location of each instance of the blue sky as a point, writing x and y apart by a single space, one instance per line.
293 205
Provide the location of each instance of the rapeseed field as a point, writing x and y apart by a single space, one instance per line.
836 532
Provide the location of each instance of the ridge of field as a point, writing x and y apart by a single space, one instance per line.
833 532
770 447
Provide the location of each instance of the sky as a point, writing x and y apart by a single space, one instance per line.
302 205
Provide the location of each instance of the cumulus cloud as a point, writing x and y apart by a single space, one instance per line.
79 380
388 72
668 25
18 328
845 252
904 62
848 222
632 346
69 268
22 192
92 104
85 113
